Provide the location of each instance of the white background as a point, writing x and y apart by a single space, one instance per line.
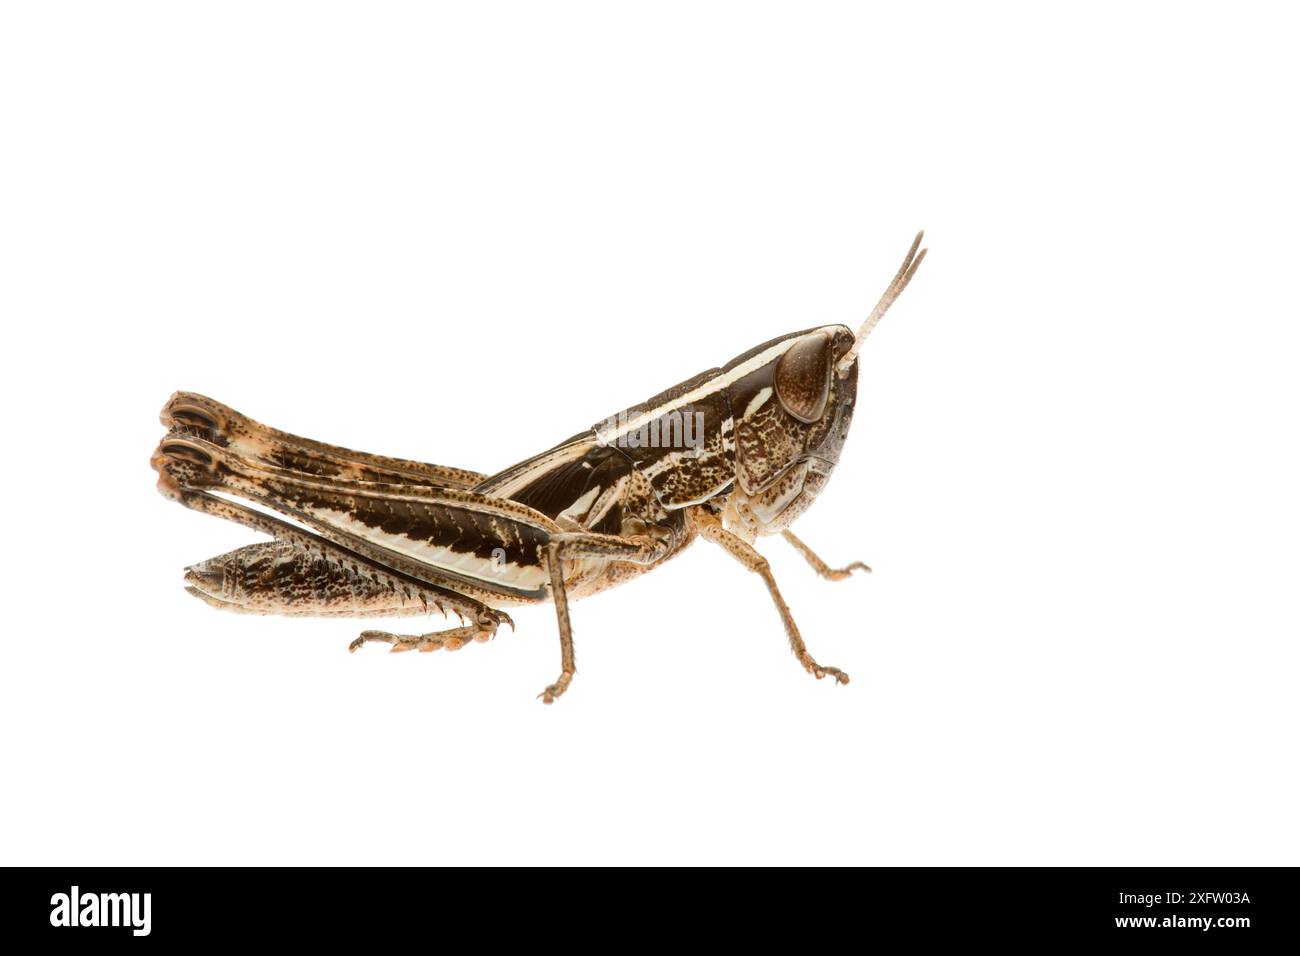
463 234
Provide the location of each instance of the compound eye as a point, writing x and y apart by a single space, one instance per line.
803 377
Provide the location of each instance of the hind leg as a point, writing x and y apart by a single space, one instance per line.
274 577
453 639
194 414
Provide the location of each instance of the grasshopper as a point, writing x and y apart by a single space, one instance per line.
731 454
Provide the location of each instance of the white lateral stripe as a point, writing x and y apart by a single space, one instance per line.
757 401
581 506
714 384
711 386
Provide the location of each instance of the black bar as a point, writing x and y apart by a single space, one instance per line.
1230 907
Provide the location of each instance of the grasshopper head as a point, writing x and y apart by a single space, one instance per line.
791 416
791 412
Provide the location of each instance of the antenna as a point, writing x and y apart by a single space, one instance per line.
901 279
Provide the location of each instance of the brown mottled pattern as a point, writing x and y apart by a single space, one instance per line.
695 473
274 577
766 443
